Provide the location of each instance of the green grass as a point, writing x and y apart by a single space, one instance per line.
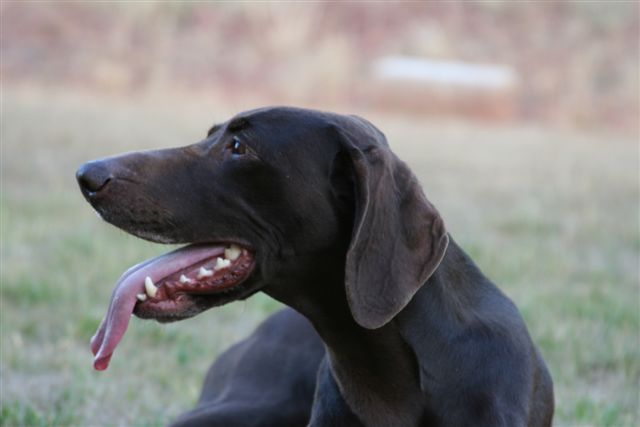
550 216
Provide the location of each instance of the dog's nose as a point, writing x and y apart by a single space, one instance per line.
93 176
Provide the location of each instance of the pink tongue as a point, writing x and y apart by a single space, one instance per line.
123 298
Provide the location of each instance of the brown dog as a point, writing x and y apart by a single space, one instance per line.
315 210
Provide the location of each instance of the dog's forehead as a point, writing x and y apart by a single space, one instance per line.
295 140
272 117
282 127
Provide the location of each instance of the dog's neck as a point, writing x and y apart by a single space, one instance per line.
361 360
383 360
450 303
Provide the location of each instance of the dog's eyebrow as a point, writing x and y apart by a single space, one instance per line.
238 123
213 129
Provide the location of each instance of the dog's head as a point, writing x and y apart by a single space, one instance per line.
262 201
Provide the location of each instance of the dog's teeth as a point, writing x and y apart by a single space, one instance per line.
232 252
203 272
141 297
149 287
221 263
184 279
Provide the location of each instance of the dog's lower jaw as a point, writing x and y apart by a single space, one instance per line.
238 293
187 281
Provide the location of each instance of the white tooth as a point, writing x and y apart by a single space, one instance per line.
232 252
151 289
141 297
221 263
184 279
203 272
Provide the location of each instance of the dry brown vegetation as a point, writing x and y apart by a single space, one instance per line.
576 62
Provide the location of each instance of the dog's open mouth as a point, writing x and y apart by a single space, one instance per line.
168 288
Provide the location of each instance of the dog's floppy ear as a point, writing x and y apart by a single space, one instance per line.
398 237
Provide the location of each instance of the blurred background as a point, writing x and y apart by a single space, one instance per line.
520 119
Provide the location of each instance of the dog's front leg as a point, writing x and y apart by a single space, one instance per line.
329 408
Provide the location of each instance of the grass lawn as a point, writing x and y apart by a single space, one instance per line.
550 216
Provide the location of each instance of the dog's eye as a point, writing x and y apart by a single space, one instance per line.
237 147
